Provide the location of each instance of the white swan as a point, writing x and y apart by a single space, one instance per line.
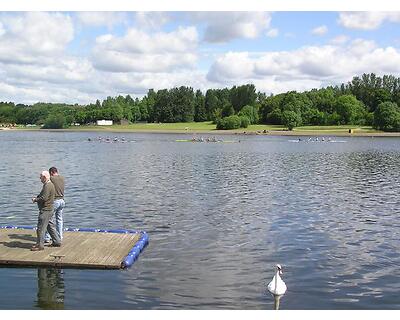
277 287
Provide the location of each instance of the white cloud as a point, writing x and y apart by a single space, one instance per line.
71 78
97 19
319 31
114 61
140 51
30 94
272 33
225 26
274 63
231 66
276 84
367 20
139 83
181 40
341 39
361 47
66 71
104 38
34 62
35 66
151 20
308 67
33 36
2 31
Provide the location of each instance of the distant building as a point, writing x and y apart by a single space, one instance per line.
104 122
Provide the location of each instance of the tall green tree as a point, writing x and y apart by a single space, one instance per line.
350 110
7 112
211 103
291 119
323 99
268 106
251 112
182 104
162 110
387 117
242 96
373 90
227 110
55 121
200 112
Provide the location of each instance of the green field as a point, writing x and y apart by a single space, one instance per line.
209 127
337 129
178 127
204 127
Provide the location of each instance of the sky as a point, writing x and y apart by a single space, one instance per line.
81 56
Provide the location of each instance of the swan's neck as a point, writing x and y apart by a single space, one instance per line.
276 278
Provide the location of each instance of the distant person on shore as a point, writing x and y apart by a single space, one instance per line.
45 201
59 203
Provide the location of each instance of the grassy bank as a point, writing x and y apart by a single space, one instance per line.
180 127
208 127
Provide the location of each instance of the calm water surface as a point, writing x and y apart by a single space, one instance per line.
219 217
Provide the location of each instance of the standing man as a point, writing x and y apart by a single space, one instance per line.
45 204
59 203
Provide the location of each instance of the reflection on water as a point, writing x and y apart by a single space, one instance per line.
219 217
50 293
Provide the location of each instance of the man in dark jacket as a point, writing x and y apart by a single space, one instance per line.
45 201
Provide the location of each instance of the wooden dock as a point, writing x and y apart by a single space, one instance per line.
105 250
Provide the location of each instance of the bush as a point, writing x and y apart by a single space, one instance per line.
54 121
369 119
332 118
229 123
313 117
216 116
387 117
227 111
291 119
350 110
275 117
251 113
244 122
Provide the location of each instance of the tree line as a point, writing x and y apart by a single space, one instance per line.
365 100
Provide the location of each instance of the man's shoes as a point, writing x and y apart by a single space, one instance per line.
48 243
36 248
55 245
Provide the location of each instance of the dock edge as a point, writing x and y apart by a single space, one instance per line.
128 260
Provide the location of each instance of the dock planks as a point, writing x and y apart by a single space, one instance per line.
79 249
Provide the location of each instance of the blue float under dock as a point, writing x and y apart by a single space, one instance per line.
81 248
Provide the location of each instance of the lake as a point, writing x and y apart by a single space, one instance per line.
219 217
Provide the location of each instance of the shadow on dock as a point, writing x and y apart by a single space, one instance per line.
26 237
51 289
19 244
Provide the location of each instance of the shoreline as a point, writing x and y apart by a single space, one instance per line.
326 133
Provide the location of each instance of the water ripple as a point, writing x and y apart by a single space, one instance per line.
219 217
